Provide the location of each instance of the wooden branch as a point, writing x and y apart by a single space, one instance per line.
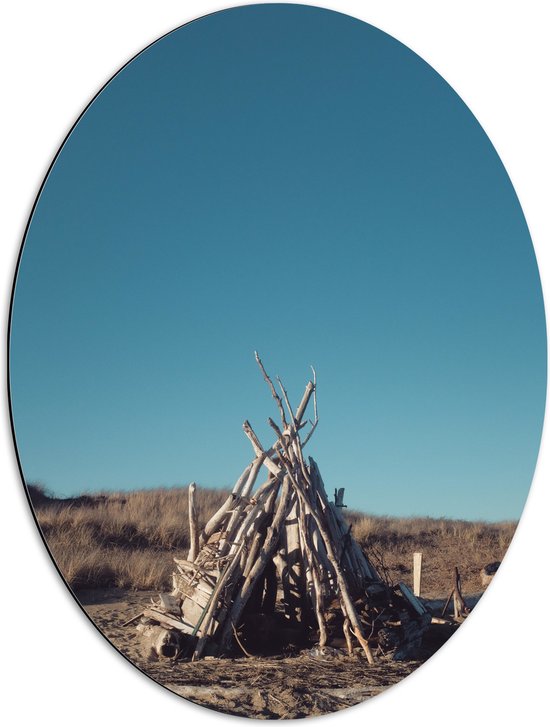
256 467
207 615
251 434
133 619
273 391
276 430
364 643
261 454
254 538
258 536
292 574
191 567
283 446
319 606
460 607
287 402
267 552
315 413
300 411
216 520
319 549
346 627
241 517
446 606
347 602
310 434
362 565
193 524
245 652
309 557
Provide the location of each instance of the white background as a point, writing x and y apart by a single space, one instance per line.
55 57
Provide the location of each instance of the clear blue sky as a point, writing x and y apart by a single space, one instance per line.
291 180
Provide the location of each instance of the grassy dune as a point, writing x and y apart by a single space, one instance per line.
128 539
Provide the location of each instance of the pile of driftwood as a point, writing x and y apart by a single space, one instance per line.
277 565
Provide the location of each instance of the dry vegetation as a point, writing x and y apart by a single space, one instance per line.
125 539
128 540
444 543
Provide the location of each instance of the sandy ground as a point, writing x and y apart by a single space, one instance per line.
265 688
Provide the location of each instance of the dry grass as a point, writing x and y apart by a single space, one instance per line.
129 539
126 540
444 543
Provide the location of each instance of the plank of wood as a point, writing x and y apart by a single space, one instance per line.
189 567
169 621
412 599
170 603
196 596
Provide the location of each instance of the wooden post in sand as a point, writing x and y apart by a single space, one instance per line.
193 524
417 573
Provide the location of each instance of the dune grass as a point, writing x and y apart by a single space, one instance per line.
129 539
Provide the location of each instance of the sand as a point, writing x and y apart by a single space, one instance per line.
264 688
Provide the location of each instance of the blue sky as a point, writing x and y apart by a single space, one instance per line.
291 180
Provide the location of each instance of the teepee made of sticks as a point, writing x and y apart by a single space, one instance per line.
277 546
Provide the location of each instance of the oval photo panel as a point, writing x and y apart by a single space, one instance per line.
277 361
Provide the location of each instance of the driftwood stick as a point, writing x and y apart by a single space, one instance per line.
191 567
239 642
308 555
297 574
259 530
199 648
253 474
206 618
300 411
319 612
239 484
255 510
255 536
319 549
133 619
265 456
193 524
286 452
346 629
364 643
342 583
292 575
315 413
460 607
273 391
240 506
252 436
339 525
216 520
446 606
231 566
242 517
266 553
298 446
293 423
